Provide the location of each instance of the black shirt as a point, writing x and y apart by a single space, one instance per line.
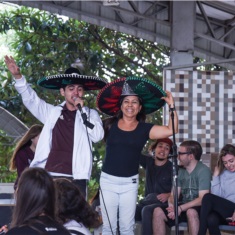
123 149
158 178
42 226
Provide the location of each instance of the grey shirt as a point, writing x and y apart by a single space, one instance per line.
224 185
191 183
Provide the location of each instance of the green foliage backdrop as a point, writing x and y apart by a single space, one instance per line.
45 44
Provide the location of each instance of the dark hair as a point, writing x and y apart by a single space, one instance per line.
72 205
193 147
63 86
107 123
227 149
35 195
34 131
164 140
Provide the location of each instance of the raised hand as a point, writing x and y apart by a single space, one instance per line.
12 66
169 99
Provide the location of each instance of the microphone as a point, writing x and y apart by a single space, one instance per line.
79 107
84 116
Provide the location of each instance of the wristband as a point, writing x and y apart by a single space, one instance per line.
172 109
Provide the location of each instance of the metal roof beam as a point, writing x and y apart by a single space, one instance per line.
198 64
227 33
152 15
206 19
228 8
227 45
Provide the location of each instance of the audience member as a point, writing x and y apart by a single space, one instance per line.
158 182
218 207
24 151
34 212
193 183
73 210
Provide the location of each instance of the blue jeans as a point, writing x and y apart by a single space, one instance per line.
118 196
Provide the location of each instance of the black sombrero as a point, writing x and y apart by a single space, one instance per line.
72 76
150 93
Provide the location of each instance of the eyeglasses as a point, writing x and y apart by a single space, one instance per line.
182 153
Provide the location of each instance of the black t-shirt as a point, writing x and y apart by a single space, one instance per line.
123 149
42 226
158 178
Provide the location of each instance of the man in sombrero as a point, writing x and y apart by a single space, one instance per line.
65 145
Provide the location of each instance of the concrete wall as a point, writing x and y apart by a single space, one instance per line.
6 187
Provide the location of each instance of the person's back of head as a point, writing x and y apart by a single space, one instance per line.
35 196
71 204
193 147
26 140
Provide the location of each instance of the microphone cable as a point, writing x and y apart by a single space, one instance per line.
106 209
86 122
88 138
92 158
86 128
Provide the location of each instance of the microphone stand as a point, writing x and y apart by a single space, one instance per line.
84 118
175 174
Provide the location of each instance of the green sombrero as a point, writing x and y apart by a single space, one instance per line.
72 76
150 93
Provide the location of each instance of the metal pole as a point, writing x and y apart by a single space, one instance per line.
175 176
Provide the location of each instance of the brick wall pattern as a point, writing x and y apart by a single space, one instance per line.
205 103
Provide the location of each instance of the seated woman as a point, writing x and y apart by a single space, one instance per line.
34 212
73 210
219 205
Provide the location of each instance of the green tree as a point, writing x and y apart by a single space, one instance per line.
46 44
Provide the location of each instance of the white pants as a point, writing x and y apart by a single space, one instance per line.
118 197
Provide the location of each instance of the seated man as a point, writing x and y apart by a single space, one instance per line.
193 183
158 182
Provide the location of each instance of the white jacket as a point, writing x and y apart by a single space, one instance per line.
48 115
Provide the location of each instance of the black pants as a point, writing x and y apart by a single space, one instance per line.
144 213
81 184
214 211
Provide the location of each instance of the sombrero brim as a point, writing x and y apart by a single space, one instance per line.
55 82
150 93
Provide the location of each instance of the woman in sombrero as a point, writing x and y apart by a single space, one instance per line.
127 101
